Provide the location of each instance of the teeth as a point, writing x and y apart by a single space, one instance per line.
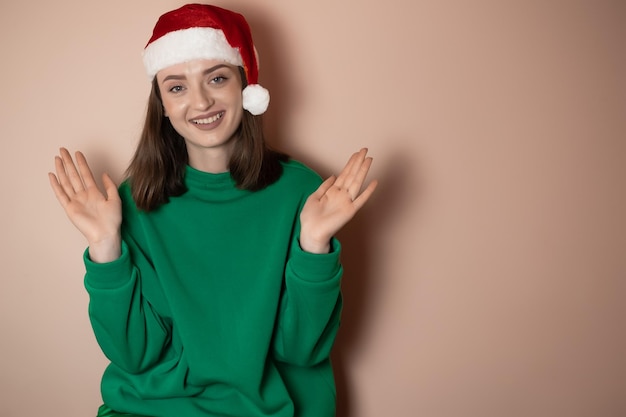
208 119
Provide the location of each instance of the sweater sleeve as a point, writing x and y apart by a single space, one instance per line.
310 307
128 330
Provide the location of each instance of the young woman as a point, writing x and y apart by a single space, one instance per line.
213 273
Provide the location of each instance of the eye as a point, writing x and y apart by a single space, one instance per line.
176 89
219 79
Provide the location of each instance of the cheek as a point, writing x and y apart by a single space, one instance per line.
171 109
239 116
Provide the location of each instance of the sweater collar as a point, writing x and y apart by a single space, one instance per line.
195 178
212 186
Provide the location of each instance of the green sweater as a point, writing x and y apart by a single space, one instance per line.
213 309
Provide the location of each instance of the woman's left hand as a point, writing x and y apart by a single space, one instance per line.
335 203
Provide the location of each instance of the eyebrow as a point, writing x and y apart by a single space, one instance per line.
205 72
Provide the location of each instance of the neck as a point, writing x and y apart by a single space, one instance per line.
211 160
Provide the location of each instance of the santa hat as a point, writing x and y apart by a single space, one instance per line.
201 31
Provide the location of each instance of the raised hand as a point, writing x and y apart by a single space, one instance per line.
96 215
335 203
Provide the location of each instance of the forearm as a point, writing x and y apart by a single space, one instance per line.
310 308
130 333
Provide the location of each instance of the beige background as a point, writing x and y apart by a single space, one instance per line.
486 277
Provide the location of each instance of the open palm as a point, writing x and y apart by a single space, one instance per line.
335 203
96 215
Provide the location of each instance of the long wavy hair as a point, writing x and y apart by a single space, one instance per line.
157 169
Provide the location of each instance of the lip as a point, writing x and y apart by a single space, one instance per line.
208 126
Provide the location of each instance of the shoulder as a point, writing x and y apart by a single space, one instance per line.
124 190
298 178
296 183
128 203
294 170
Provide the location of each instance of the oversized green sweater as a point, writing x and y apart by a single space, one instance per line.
213 309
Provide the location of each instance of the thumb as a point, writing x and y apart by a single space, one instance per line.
325 186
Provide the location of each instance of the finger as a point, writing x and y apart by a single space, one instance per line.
348 170
110 187
58 190
85 171
74 178
365 195
324 187
359 177
63 178
341 178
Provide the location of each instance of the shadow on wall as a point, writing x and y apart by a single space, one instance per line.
274 73
359 285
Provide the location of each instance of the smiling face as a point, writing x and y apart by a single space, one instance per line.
203 101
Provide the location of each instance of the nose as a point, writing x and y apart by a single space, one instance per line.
201 98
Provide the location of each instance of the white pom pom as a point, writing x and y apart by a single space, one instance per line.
256 99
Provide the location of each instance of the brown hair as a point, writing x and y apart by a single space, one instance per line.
157 170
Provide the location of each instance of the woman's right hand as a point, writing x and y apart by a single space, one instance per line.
96 215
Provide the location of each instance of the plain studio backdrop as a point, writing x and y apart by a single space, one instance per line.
486 277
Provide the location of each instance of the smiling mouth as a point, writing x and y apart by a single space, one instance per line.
208 120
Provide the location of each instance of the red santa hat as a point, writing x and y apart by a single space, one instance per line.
202 31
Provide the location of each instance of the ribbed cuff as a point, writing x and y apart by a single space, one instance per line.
315 267
108 275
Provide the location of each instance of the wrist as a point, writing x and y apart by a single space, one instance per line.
105 250
313 246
